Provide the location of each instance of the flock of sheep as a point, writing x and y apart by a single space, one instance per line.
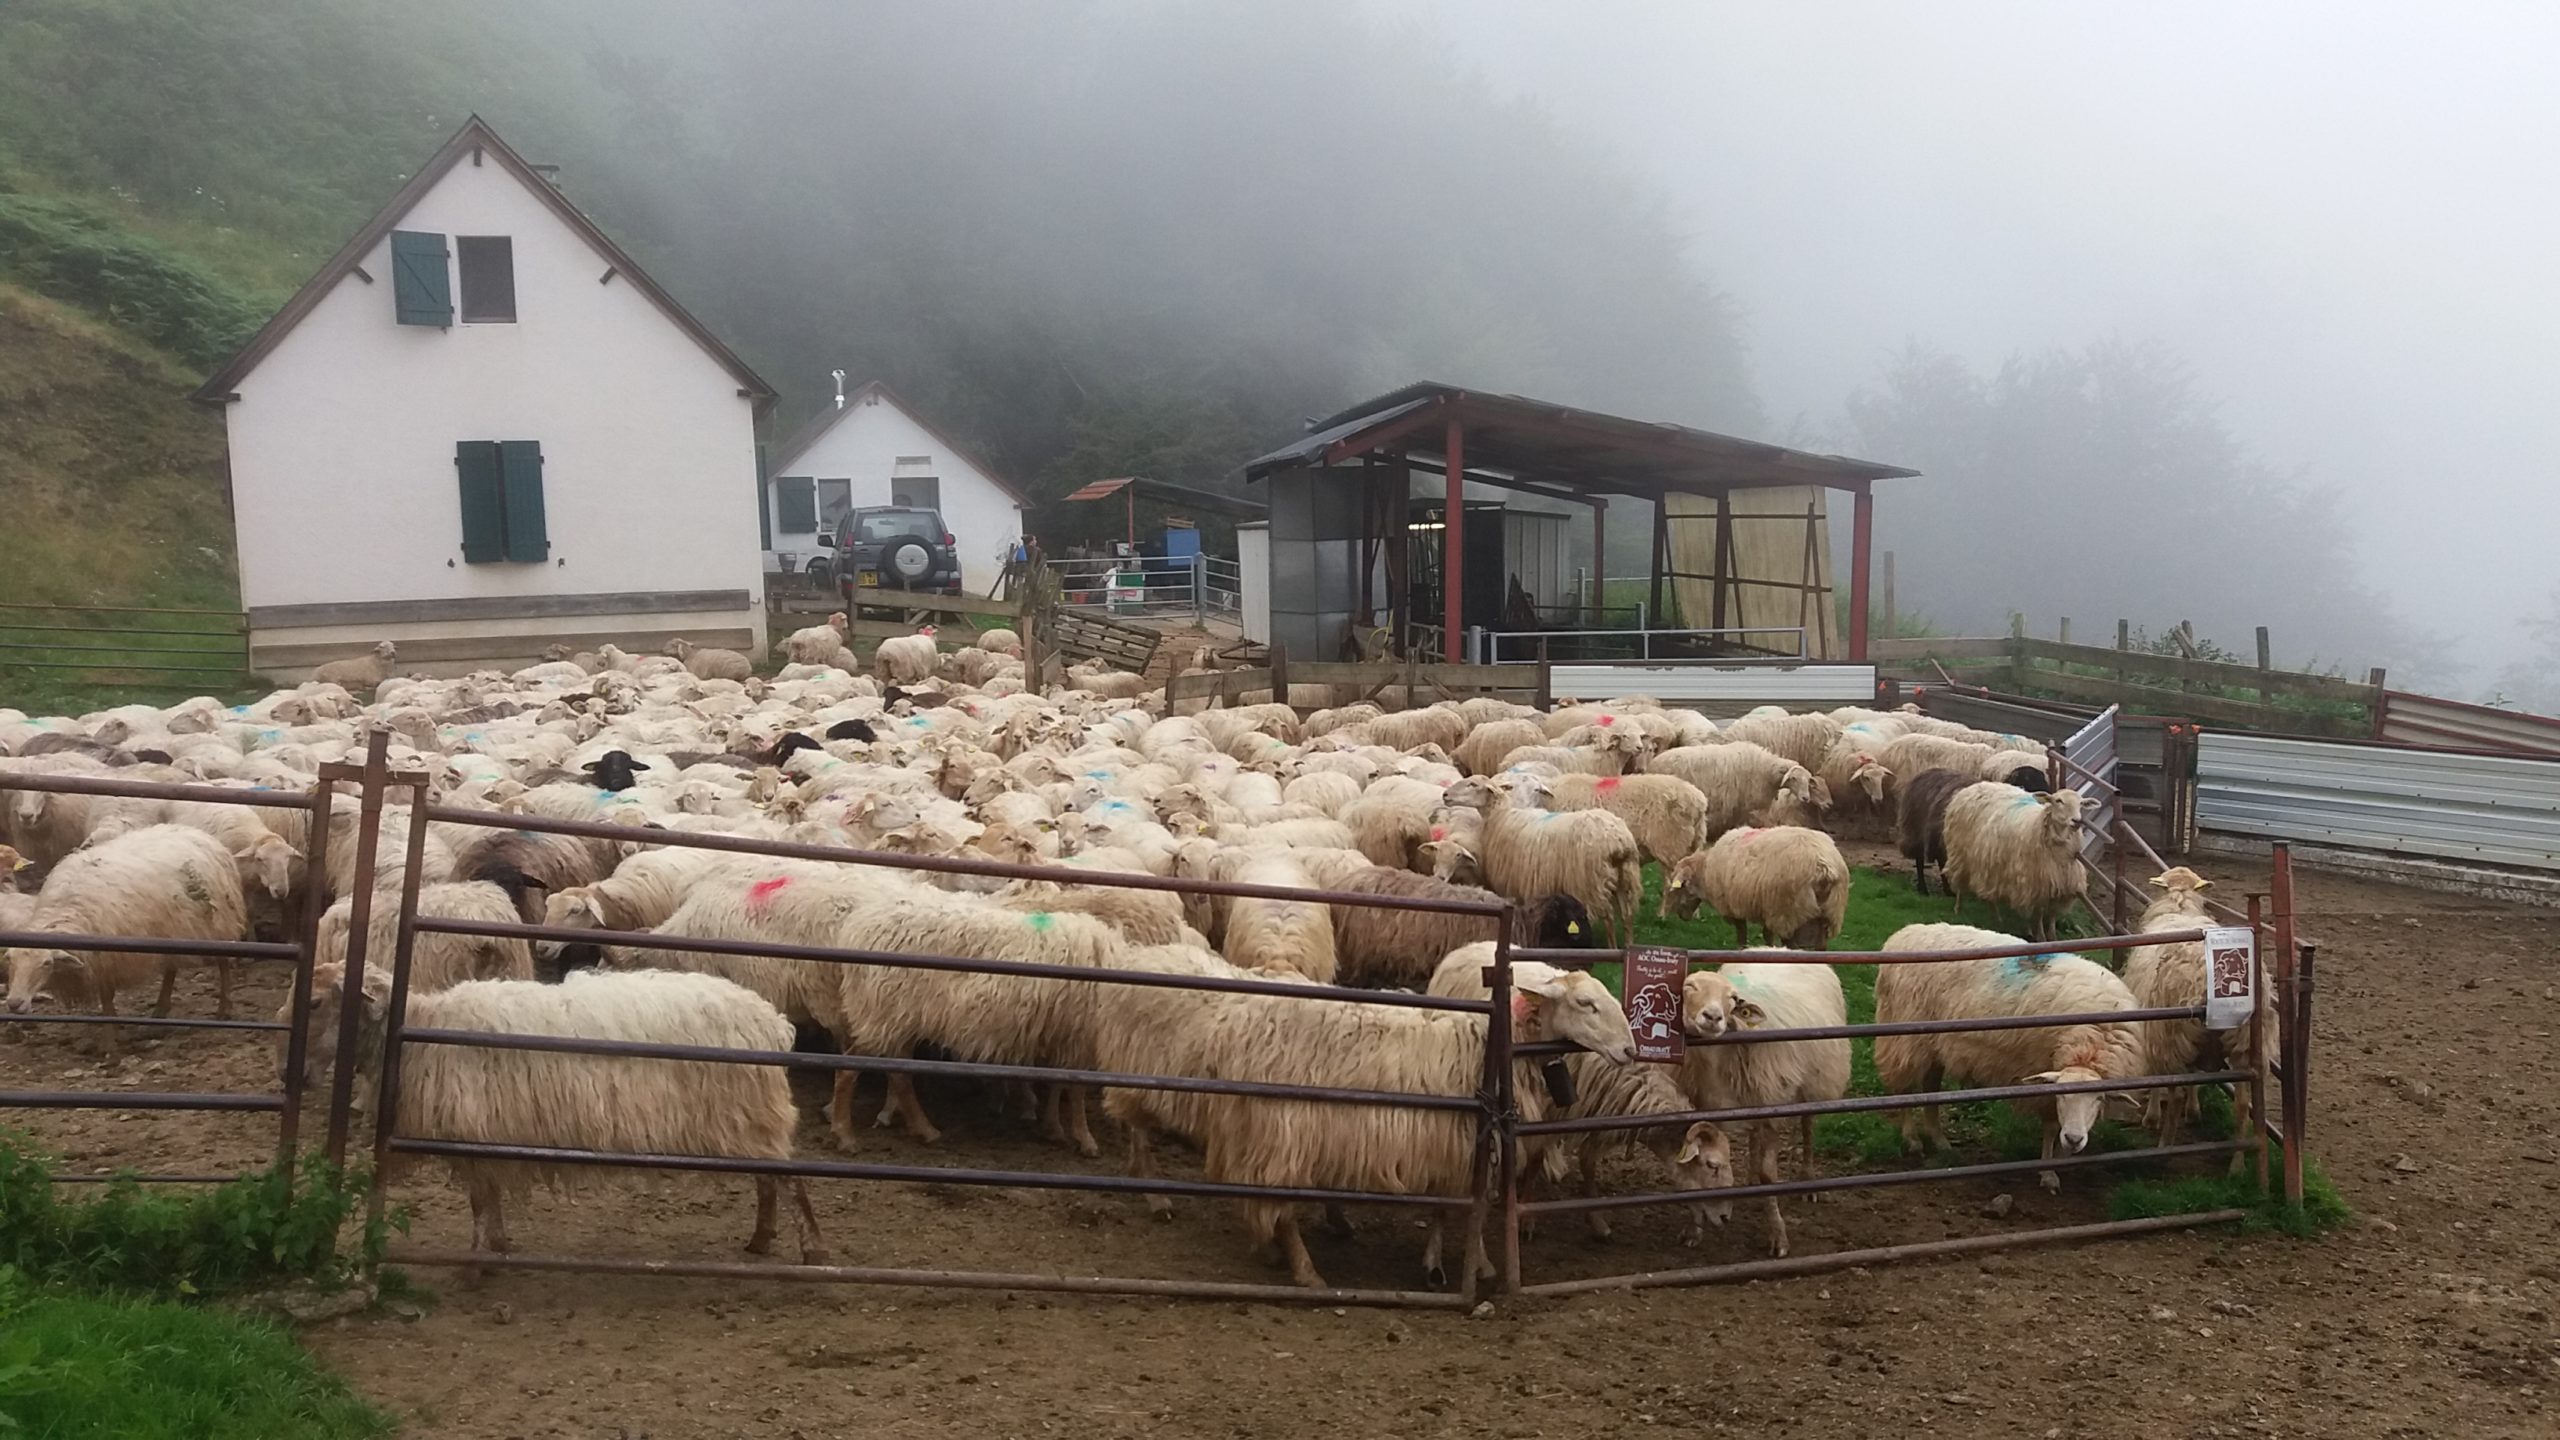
927 752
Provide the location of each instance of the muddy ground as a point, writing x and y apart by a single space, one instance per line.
2436 1108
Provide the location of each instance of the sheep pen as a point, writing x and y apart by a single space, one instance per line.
966 1131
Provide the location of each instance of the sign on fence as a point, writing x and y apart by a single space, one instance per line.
2231 976
1653 980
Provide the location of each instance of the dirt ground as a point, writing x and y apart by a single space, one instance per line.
2434 1109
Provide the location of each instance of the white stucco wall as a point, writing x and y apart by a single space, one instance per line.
342 441
864 447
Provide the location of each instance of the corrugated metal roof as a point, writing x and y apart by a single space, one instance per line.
1100 488
2486 809
2426 720
1575 450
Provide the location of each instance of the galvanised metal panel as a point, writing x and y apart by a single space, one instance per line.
2486 809
2002 717
2425 720
2093 749
1722 690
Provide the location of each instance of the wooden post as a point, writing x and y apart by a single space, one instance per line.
1546 678
2062 632
2265 664
2019 665
1722 565
1892 616
1279 673
2124 644
1369 527
1453 562
1599 563
1661 558
1862 536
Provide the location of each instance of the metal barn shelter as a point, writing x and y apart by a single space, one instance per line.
1402 512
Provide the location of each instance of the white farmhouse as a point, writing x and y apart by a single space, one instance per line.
480 430
870 448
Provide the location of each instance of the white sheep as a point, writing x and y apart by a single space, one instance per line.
704 662
1307 1144
1987 989
1001 641
1529 853
169 882
436 961
1668 814
2163 977
819 644
1804 739
1697 1156
586 1102
1741 783
2016 848
362 672
1279 934
1788 880
1721 1074
907 659
1482 752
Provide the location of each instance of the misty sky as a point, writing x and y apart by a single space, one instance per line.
2345 215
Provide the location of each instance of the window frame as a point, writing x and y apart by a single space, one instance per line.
468 299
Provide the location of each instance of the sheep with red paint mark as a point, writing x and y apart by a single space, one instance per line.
1668 814
1788 880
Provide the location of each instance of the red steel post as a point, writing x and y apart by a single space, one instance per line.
1453 568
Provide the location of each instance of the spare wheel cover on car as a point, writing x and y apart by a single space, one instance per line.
909 560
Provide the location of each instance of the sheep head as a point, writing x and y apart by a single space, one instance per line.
1555 1004
2075 1113
1704 1161
1710 1006
2059 814
386 650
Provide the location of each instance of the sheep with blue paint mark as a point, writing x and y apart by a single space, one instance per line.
2053 984
2162 977
2016 848
1528 853
1760 995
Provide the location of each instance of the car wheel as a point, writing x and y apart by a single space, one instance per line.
909 560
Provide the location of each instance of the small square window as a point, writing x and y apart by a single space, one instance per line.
488 265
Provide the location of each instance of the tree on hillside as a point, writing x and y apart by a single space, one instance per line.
2097 483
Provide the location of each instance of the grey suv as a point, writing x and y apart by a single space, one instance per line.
895 547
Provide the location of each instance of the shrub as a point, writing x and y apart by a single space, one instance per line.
77 253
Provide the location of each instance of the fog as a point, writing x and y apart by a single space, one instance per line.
2236 314
2341 215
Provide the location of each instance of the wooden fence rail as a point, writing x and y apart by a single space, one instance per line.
2199 689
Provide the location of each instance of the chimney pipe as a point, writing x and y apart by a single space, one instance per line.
839 387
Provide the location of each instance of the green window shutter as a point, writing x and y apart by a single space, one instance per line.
484 517
421 284
796 500
520 473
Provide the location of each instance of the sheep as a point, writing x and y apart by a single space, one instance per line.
1391 818
907 659
1698 1156
1326 722
1410 729
1920 821
2022 768
1860 788
1279 934
819 644
2017 849
1482 751
2173 976
1308 1144
166 881
437 961
1143 917
1987 989
1804 739
1001 641
1741 783
1527 854
1668 814
1572 760
1722 1074
994 1019
703 662
1789 880
362 672
586 1102
1327 791
1383 949
1909 755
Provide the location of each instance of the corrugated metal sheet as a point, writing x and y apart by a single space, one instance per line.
1722 690
2426 720
1533 551
2093 749
2488 809
2046 725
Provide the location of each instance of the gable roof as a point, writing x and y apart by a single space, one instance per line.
475 137
825 420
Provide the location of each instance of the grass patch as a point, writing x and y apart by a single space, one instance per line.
76 1366
253 1233
2323 1209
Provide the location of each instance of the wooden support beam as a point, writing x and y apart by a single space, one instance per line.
1453 565
1862 536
